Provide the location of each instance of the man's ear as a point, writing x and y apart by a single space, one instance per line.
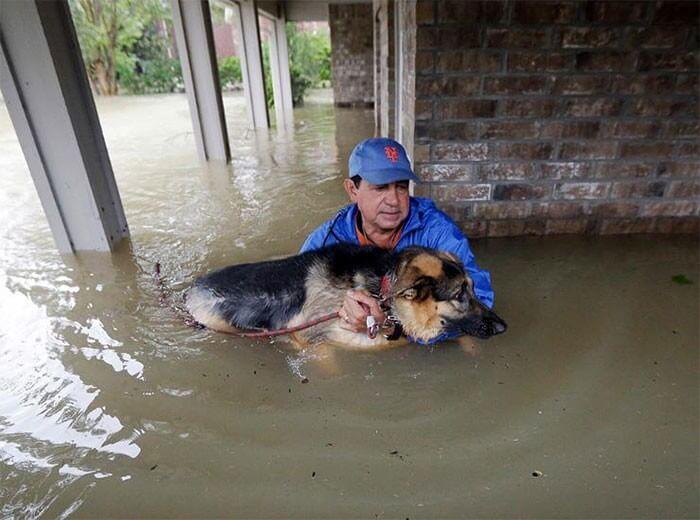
350 189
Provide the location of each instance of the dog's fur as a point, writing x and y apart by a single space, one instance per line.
430 294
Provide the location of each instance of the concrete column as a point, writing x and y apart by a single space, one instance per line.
279 65
195 43
381 74
251 63
405 13
46 90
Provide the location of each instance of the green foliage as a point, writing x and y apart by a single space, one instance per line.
681 279
311 54
230 71
112 34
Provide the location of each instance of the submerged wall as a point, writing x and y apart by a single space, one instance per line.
559 117
352 54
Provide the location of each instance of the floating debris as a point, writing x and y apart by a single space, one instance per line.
681 279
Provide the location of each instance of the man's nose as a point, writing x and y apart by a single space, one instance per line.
392 196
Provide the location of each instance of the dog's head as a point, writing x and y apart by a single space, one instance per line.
432 295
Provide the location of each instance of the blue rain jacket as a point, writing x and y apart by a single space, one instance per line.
425 226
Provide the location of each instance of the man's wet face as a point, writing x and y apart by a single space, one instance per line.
383 206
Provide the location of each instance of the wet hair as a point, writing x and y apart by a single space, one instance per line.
356 180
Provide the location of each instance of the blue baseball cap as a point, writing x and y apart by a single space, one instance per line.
379 160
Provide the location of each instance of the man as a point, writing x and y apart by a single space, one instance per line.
383 214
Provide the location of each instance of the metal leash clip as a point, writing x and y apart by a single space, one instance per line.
372 327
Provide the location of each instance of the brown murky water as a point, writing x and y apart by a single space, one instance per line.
110 407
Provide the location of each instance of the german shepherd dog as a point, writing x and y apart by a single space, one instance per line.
425 291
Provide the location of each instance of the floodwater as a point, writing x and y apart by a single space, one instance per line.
111 407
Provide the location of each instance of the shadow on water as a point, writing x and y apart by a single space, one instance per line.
111 406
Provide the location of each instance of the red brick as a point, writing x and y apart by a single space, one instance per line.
630 190
657 107
506 228
624 226
446 131
650 149
689 150
679 12
454 38
629 129
581 84
684 189
426 37
558 209
682 129
588 150
424 109
568 226
502 210
606 61
536 12
582 190
615 12
543 107
593 107
654 61
569 129
509 129
522 151
643 84
679 169
421 153
614 170
670 209
472 12
460 152
520 191
685 225
424 62
534 227
658 37
502 85
446 86
539 61
475 228
506 171
446 172
461 192
688 84
615 209
465 109
588 37
566 170
516 38
469 61
425 11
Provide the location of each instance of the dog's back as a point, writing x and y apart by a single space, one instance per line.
268 295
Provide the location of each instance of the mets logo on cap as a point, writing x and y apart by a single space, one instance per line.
391 153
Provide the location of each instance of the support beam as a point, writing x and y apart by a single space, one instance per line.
195 43
251 63
46 90
381 70
279 65
405 99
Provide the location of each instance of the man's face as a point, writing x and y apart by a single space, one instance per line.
383 206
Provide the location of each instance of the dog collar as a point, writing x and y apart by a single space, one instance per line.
385 288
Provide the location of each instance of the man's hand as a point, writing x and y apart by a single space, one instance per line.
357 305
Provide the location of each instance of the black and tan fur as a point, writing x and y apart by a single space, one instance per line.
430 294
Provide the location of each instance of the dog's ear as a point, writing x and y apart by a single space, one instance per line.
409 293
416 289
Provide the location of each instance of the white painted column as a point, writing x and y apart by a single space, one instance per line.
46 90
381 69
195 44
251 63
279 65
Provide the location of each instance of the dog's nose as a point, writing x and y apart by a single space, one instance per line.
495 323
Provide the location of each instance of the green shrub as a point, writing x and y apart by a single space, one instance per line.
156 76
230 71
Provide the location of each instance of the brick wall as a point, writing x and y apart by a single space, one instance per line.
559 117
352 54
